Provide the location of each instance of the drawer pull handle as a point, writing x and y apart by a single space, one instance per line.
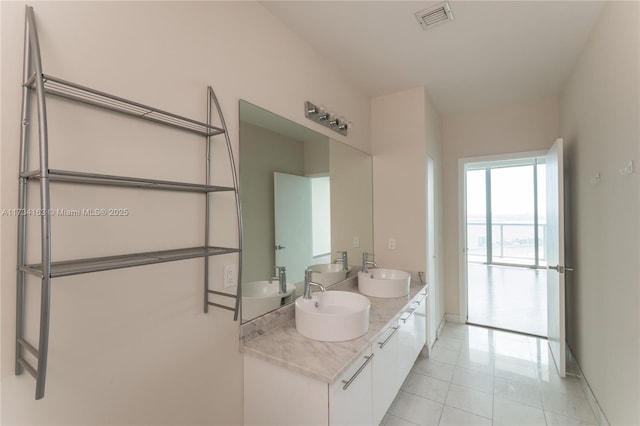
410 312
383 344
419 301
347 383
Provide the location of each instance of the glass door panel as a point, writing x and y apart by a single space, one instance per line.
512 215
477 216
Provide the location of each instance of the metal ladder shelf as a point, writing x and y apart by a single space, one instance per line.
40 84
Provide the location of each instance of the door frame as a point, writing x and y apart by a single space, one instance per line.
462 214
432 261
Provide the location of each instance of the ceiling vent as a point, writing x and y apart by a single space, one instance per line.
432 16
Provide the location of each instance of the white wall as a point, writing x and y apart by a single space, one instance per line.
133 346
405 130
600 117
523 127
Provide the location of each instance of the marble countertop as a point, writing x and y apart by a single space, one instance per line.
325 361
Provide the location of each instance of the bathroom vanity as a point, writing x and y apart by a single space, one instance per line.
293 380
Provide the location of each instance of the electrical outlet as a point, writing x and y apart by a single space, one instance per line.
392 243
229 275
356 241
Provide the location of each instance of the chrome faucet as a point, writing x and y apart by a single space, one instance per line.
281 276
308 283
343 259
366 263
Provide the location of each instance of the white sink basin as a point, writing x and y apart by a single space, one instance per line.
333 316
385 283
260 297
329 273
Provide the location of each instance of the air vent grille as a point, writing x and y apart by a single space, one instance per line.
430 17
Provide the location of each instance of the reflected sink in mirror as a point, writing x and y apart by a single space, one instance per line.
384 283
333 316
329 273
260 297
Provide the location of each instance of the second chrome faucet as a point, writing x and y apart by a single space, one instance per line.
366 263
308 284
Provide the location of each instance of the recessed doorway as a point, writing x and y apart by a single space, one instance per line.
505 227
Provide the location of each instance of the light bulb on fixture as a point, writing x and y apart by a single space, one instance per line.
322 113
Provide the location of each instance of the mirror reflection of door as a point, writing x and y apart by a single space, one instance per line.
293 224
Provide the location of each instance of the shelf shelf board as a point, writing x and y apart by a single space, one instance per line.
96 264
86 95
67 176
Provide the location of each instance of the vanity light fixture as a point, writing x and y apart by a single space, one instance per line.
319 114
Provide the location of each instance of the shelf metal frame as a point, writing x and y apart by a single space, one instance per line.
67 176
75 92
35 82
106 263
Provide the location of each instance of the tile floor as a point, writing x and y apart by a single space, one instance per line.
479 376
507 297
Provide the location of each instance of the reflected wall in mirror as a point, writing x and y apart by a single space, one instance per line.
305 197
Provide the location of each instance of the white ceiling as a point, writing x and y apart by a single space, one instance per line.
492 53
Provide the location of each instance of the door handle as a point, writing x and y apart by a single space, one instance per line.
279 247
561 269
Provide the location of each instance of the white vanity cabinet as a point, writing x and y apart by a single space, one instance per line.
275 395
292 380
412 334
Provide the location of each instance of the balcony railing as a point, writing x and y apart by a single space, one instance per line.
512 243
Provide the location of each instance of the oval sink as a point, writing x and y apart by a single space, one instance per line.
260 297
329 273
333 316
385 283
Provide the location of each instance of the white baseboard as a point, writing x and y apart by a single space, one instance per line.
591 398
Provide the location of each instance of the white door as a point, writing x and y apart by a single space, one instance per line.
555 257
431 253
293 224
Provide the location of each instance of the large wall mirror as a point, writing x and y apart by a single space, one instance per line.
305 198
